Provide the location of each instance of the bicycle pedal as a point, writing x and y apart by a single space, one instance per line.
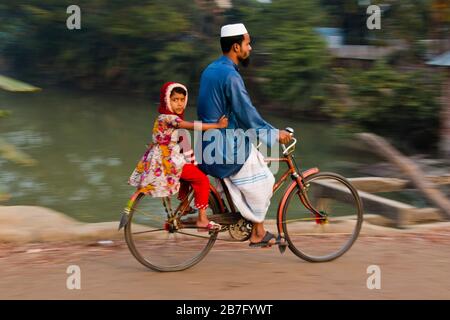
282 248
281 242
123 219
212 232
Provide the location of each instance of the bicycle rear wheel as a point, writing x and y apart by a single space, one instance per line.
157 245
329 234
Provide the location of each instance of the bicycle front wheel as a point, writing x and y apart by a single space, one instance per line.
157 245
327 229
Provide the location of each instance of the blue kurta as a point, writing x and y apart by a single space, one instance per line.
222 92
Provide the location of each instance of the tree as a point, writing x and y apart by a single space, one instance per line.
296 56
121 44
395 104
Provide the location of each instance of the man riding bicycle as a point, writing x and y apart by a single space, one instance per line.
222 91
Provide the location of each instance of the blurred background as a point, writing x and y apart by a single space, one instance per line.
316 67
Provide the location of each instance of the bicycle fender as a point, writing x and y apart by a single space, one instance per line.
216 195
310 172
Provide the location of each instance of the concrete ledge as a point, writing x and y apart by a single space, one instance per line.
25 224
39 224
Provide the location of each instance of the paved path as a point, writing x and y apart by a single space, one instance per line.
414 265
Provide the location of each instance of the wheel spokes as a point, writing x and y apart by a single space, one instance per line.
160 240
148 231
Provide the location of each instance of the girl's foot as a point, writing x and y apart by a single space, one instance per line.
208 225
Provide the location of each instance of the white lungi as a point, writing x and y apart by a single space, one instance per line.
252 187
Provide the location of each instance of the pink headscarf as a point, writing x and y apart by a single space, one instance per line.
164 98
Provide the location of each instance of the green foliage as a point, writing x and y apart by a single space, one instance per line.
4 113
397 104
408 20
297 67
122 44
297 57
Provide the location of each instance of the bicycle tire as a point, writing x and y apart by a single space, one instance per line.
214 206
299 246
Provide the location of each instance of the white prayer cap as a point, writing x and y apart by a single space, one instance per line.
230 30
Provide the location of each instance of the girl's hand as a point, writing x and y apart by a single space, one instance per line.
223 122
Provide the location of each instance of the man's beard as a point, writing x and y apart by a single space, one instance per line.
245 62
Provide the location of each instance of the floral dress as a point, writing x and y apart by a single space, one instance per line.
159 170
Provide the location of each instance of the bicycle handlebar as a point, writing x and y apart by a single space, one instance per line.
294 142
285 149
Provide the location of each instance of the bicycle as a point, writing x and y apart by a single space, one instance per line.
318 218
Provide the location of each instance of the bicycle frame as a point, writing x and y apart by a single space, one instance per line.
239 227
292 171
298 181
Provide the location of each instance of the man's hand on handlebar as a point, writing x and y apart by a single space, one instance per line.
284 136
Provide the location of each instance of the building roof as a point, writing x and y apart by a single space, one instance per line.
360 52
442 60
224 4
335 42
333 36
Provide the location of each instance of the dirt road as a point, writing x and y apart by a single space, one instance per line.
413 264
